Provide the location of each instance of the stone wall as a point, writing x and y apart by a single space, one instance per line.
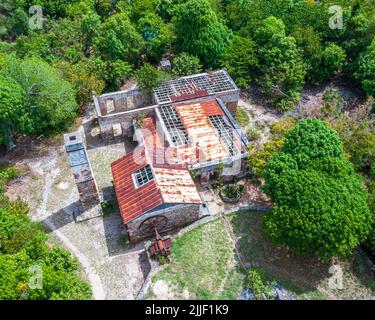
178 216
125 119
121 101
88 194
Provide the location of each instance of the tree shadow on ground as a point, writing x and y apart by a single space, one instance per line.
301 274
361 268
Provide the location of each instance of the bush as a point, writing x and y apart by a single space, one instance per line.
148 77
255 283
253 134
259 284
242 117
186 64
231 191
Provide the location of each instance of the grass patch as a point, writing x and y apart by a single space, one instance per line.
242 117
203 262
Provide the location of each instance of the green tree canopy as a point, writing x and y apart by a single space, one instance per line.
118 39
282 68
148 77
49 100
320 202
365 73
241 60
199 32
12 113
156 34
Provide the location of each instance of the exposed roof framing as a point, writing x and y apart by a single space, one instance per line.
225 132
174 125
207 83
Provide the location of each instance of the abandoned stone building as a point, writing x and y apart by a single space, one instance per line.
184 129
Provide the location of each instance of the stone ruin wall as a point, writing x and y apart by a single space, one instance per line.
178 216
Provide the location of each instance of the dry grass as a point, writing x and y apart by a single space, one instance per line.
204 265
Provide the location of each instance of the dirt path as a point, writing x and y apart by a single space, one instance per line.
228 227
47 166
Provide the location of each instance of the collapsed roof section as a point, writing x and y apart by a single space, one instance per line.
195 86
199 134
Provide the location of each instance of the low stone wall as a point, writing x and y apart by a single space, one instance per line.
125 119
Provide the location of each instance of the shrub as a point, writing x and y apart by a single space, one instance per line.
253 134
148 77
185 64
242 117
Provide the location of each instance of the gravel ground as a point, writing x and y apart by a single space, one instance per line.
115 268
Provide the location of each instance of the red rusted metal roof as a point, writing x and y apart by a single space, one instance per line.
133 201
171 184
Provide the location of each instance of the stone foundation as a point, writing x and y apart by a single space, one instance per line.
178 216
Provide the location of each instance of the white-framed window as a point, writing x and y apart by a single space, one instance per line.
142 176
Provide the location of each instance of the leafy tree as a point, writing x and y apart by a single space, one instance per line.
269 27
282 67
103 7
320 202
358 33
241 61
200 32
19 233
52 8
156 34
164 8
148 77
67 40
11 108
82 79
13 19
333 59
38 45
365 73
60 260
90 26
312 139
311 44
118 39
185 64
49 100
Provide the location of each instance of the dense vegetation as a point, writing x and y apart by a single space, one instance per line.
47 75
320 202
85 45
29 268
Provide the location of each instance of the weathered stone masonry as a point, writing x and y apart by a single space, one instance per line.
178 216
80 166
